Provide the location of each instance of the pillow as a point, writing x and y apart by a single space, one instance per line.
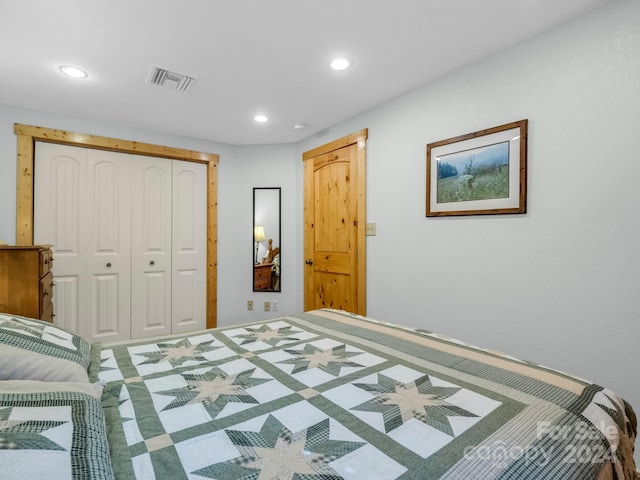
36 386
52 430
19 364
37 350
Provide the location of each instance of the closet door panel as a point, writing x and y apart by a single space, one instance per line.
189 246
59 186
185 290
151 247
108 240
66 302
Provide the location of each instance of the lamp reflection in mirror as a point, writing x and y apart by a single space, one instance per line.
258 236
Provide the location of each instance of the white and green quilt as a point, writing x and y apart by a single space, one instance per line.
328 395
52 434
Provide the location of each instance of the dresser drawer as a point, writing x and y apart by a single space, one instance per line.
47 315
262 276
46 260
46 291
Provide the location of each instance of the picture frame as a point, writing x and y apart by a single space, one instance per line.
479 173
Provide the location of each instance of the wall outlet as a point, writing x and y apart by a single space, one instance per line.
267 306
371 229
274 306
249 304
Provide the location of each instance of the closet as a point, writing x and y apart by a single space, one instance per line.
129 240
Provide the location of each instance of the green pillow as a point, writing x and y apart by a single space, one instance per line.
35 350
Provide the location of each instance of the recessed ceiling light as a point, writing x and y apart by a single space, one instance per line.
340 64
74 72
261 118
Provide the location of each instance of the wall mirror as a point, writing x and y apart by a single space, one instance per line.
266 239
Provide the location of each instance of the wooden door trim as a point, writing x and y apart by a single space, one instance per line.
27 135
359 138
339 143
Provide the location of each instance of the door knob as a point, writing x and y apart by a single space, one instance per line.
308 261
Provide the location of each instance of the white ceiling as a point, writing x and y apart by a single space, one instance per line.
249 56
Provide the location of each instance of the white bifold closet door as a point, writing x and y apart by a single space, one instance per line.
129 241
151 247
189 247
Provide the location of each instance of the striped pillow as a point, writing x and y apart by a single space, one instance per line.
36 350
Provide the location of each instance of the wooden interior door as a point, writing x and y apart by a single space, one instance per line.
334 225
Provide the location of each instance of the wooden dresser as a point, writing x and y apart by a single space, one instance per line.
262 276
26 281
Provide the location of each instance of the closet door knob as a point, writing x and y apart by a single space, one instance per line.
109 265
152 262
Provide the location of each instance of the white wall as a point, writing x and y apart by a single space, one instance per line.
258 166
559 285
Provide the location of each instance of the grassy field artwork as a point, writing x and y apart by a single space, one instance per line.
478 174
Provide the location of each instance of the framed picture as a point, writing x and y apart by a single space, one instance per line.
480 173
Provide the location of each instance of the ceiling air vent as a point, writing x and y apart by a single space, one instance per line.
170 80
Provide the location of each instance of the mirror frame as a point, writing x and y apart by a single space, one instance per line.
256 255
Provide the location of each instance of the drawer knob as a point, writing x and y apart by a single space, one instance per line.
308 261
108 264
152 262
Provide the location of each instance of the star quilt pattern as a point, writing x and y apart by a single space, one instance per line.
328 395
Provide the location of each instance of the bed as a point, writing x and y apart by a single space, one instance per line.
319 395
